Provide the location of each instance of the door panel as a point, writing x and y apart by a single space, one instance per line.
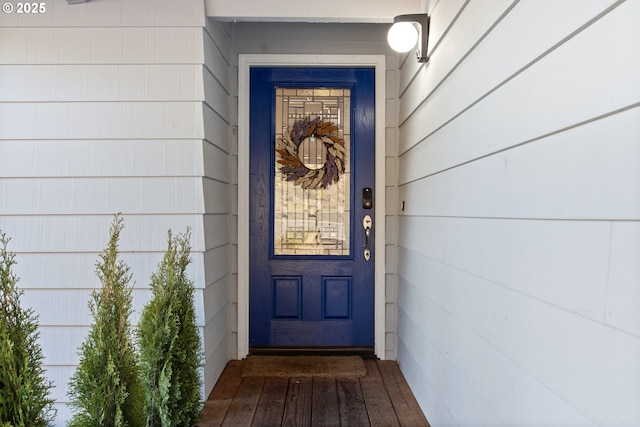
312 154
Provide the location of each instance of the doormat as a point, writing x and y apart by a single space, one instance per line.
304 366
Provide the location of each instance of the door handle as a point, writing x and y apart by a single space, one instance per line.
367 224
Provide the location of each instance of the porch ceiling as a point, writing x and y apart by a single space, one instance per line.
375 11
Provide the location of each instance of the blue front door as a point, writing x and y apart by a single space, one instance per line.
311 203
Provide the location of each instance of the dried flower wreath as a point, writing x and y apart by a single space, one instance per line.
293 168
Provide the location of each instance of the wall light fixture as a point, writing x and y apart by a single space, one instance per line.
406 31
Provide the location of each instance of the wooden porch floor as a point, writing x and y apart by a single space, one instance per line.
380 398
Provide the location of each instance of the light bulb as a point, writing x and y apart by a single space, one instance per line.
402 36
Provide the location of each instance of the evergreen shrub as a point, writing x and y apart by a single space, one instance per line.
24 390
170 349
105 389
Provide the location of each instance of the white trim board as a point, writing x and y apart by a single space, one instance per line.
245 62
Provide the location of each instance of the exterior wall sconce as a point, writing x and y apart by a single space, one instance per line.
406 31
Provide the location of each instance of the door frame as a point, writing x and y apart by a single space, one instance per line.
245 62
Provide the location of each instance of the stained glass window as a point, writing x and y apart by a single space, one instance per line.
312 202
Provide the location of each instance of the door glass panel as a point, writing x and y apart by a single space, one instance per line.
312 172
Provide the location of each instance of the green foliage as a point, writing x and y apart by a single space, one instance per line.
24 391
105 389
169 343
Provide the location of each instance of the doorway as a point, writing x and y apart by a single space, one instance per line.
293 249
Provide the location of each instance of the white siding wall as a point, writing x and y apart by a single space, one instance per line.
347 39
220 178
103 110
519 166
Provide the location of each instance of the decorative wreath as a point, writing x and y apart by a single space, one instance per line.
293 168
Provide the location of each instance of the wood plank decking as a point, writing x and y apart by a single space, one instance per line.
380 398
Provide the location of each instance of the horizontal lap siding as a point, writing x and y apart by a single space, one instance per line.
141 13
519 239
111 120
508 184
100 45
100 82
101 111
123 158
68 196
218 186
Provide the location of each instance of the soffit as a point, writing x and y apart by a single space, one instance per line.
375 11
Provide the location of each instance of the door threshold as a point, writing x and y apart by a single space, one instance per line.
364 352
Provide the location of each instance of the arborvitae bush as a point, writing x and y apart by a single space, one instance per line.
170 351
24 391
105 389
